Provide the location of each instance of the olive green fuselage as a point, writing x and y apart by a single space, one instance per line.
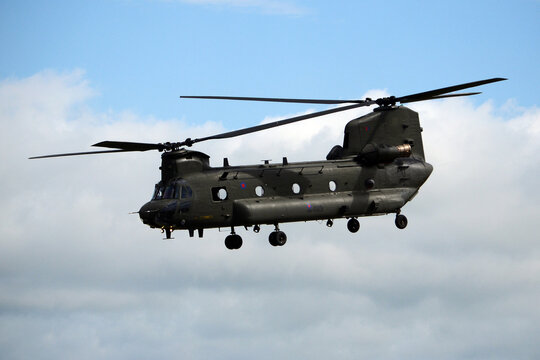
359 179
277 193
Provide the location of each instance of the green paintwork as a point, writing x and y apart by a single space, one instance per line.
395 181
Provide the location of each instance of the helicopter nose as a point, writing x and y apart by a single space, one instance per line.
165 215
148 213
156 214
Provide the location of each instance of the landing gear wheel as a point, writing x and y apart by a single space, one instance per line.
277 238
353 225
229 242
233 242
281 238
401 221
272 238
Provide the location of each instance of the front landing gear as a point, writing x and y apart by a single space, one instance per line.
168 232
233 241
401 221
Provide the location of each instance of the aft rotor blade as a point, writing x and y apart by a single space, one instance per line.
253 129
284 100
446 96
436 94
78 153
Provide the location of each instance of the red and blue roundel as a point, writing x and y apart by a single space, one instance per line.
243 185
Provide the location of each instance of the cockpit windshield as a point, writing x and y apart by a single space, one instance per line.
176 190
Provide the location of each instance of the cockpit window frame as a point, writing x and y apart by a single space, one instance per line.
186 192
158 192
169 192
178 189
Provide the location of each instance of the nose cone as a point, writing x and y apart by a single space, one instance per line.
148 213
158 213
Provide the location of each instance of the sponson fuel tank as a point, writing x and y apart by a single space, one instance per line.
269 211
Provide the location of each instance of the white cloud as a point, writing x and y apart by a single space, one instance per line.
80 277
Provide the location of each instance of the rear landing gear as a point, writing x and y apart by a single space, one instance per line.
401 221
277 237
233 241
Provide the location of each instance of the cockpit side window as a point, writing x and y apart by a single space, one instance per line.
186 192
165 192
158 192
169 192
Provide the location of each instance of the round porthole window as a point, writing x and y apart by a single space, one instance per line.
296 188
222 194
332 186
370 183
259 191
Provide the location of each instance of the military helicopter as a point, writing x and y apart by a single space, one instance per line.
378 169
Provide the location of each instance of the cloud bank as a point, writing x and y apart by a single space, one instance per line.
81 278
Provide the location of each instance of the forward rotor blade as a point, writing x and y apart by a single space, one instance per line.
253 129
435 94
78 153
130 146
119 146
303 101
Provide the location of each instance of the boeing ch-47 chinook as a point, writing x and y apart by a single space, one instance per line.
378 169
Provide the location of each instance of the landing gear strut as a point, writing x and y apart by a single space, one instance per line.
233 241
168 232
277 237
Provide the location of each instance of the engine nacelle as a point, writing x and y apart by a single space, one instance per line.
382 154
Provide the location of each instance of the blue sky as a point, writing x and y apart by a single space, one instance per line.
141 55
82 278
